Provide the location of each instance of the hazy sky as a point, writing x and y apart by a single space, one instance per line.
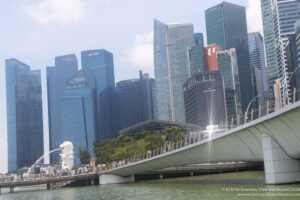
35 31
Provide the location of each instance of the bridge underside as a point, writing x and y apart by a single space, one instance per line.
243 143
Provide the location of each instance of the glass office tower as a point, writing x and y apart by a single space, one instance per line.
101 63
270 44
24 115
227 65
199 39
226 26
64 67
279 18
79 111
135 100
171 67
292 66
196 60
258 64
285 15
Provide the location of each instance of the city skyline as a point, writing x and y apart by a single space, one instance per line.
131 72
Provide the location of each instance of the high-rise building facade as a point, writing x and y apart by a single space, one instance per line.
196 59
202 59
24 114
284 15
199 39
64 67
135 100
79 111
171 67
226 26
227 65
293 66
101 63
204 99
258 65
297 35
270 44
297 68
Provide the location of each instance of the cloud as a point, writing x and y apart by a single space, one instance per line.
140 53
254 17
62 11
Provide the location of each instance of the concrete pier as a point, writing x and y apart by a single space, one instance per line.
279 167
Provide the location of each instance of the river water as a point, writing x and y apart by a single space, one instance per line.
241 185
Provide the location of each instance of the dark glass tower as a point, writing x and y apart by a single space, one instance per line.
65 66
226 26
204 99
24 114
135 100
292 65
101 63
79 111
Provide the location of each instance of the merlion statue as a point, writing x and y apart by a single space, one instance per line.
67 155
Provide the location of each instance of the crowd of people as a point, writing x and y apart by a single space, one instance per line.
47 173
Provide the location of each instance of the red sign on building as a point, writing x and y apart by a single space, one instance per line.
211 57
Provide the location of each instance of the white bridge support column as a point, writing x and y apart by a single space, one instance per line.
279 167
114 179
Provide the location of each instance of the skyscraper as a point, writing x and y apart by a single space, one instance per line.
171 67
196 59
199 39
65 66
136 101
293 66
282 15
79 111
297 69
227 65
270 44
226 26
24 114
101 63
297 34
258 64
202 59
204 99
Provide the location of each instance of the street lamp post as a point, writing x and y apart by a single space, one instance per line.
254 98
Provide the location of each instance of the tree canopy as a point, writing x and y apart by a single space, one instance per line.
125 146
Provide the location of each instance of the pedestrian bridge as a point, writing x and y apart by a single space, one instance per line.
273 138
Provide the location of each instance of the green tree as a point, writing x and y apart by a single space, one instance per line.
173 134
154 140
125 146
84 155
